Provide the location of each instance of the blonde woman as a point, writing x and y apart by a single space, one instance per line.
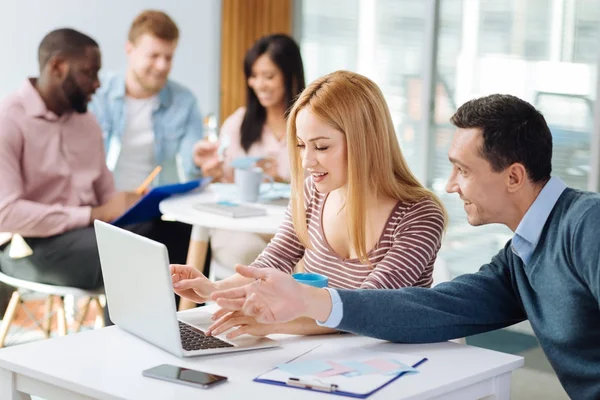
360 218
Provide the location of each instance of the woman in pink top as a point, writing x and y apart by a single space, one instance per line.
275 76
361 218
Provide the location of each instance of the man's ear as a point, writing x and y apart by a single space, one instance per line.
516 176
129 47
58 67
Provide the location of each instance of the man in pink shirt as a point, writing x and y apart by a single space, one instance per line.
53 178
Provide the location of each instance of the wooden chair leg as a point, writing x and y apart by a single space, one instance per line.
11 310
83 314
100 323
48 316
196 257
61 317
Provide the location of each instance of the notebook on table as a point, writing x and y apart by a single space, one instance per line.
231 209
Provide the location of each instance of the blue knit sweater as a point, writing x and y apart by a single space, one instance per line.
558 291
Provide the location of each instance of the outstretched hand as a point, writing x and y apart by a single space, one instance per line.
191 284
243 324
272 297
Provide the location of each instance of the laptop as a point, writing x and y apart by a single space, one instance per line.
141 301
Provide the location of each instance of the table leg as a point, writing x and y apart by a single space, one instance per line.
196 257
8 389
502 386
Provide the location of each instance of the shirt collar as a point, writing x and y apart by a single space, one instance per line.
530 228
117 88
117 91
32 101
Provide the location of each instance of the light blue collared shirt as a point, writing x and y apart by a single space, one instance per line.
530 228
337 310
177 125
524 242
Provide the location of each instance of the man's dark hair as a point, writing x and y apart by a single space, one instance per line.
65 41
513 131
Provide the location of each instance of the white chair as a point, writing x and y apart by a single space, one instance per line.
441 273
25 288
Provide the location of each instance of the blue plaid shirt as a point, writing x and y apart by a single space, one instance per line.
177 124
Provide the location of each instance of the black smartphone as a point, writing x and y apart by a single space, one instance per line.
185 376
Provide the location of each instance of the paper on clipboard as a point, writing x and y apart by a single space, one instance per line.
354 372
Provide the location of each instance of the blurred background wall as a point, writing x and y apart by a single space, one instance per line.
24 23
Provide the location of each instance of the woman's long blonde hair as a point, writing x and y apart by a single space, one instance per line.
355 106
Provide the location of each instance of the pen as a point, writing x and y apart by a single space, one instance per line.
420 362
313 386
148 180
303 354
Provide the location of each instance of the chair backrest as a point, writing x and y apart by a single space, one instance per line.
441 273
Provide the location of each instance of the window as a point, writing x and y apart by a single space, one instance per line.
545 52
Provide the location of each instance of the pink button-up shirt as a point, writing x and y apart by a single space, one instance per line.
267 146
52 169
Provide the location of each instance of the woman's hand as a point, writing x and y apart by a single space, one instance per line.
269 166
191 284
207 159
245 325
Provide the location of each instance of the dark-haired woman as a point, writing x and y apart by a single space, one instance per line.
274 77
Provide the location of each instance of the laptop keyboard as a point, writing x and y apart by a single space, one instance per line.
194 339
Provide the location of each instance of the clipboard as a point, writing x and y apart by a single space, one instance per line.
337 386
147 209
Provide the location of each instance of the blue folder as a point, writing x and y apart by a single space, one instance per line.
146 208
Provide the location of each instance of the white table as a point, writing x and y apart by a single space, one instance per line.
181 208
108 364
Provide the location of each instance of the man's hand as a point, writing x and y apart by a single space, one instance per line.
207 159
273 297
115 207
191 284
245 325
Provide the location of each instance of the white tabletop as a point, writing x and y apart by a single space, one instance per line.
181 208
108 364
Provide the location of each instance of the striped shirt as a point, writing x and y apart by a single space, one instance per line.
403 256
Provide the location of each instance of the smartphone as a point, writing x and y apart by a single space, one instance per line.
185 376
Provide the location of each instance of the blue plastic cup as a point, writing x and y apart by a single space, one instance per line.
308 278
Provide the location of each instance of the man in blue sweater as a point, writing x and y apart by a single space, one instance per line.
549 272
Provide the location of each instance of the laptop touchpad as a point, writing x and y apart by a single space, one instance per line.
200 319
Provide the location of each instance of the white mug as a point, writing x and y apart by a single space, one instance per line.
248 181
